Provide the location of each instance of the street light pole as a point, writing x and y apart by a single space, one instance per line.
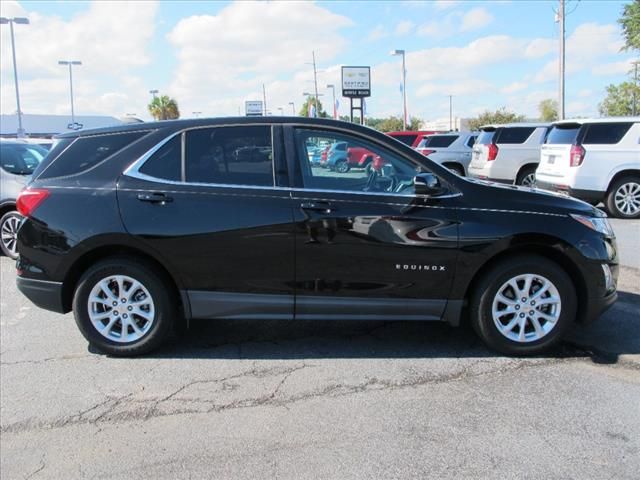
635 87
404 87
561 15
153 93
333 90
70 63
450 113
293 108
19 21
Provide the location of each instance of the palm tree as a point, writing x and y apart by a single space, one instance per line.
164 108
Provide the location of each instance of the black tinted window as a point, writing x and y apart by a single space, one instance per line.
230 155
563 134
406 139
485 137
514 135
166 162
440 141
605 133
87 152
471 141
21 159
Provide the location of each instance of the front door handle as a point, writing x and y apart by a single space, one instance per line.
159 198
323 207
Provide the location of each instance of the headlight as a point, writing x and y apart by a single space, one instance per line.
599 224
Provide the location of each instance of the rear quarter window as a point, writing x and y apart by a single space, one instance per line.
485 137
605 133
563 135
406 139
439 141
87 152
514 135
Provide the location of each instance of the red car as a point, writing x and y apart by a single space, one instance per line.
411 138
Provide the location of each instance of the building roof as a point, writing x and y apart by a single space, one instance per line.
47 125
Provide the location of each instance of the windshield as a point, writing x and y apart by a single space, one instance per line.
21 159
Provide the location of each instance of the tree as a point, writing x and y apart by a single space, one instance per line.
630 21
392 124
311 100
548 109
619 100
499 116
164 108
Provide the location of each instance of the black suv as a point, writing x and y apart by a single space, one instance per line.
138 227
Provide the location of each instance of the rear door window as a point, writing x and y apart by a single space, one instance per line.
439 141
605 133
563 134
230 156
514 135
87 152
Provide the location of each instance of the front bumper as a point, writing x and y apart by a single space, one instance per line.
597 306
43 293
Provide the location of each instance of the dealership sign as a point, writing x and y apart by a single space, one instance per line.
356 82
253 108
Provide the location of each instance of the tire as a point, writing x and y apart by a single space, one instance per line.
527 177
9 224
341 166
457 169
488 310
623 197
153 299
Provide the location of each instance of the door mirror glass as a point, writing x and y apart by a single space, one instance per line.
427 184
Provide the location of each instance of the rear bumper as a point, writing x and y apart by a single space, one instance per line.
591 196
42 293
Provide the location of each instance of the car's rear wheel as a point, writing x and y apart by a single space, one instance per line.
342 166
457 169
527 177
623 198
124 307
523 305
9 225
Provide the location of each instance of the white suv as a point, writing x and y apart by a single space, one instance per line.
595 160
453 150
508 153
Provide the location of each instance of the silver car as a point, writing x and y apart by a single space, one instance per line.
18 160
452 150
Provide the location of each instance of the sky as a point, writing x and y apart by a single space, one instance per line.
213 56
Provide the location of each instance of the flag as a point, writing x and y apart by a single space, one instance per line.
312 110
335 109
364 107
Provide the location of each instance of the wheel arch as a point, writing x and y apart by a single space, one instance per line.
455 163
525 167
545 246
7 207
99 253
622 173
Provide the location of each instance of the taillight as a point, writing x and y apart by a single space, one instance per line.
426 152
492 149
29 199
576 155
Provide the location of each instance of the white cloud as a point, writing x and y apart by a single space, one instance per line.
586 48
405 27
612 68
540 47
110 38
445 4
377 33
515 87
475 19
248 44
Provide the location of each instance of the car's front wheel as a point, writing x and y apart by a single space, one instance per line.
124 307
523 305
623 198
9 225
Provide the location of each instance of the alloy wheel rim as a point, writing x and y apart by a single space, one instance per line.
9 233
121 308
627 198
526 308
529 180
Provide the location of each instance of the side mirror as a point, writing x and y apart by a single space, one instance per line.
427 184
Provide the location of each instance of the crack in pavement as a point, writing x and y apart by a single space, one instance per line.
46 360
143 412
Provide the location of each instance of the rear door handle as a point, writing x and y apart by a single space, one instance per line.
159 198
323 207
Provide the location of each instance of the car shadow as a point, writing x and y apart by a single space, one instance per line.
615 333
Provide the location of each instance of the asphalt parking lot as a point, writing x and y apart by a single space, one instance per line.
321 400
